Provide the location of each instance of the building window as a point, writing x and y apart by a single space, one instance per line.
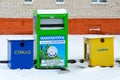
59 1
99 1
28 1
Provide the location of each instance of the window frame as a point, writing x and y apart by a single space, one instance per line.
60 2
28 2
99 2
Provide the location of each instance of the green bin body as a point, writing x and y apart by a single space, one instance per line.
51 38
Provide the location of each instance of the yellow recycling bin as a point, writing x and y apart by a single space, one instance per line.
99 51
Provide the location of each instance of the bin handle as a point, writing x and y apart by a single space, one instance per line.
102 40
22 44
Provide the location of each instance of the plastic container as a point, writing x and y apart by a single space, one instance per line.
20 54
99 51
51 38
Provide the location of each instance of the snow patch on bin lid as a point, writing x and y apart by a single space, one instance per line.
99 36
20 39
52 11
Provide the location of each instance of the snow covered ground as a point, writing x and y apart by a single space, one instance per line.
77 71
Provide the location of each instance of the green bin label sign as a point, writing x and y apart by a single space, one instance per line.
52 50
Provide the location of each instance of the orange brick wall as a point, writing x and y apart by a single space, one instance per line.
94 26
76 26
16 26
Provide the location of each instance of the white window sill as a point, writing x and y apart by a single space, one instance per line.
60 3
28 2
99 2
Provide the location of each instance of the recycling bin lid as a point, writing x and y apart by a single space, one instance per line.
99 36
11 39
52 11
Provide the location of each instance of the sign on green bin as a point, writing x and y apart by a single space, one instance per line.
51 34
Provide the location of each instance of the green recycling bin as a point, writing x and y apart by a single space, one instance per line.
51 34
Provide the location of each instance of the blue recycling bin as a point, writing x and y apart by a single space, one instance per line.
20 54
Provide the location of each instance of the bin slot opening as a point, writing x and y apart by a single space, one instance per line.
51 24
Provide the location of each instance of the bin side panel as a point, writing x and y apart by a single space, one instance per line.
21 57
102 53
